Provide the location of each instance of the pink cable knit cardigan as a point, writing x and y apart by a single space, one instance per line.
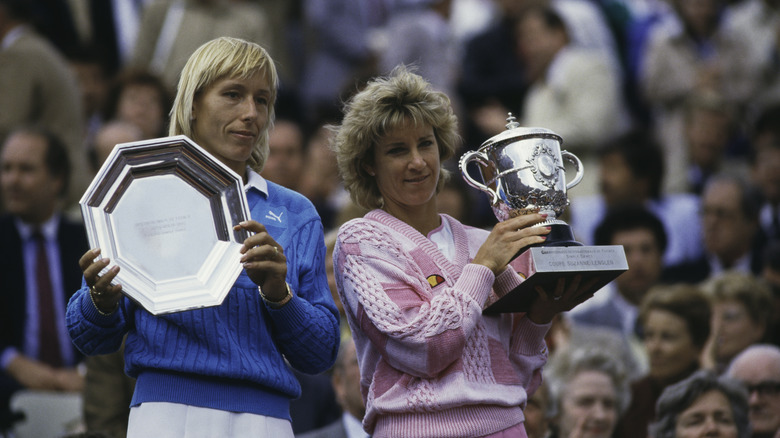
431 365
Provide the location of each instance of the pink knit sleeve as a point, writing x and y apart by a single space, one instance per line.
528 351
390 300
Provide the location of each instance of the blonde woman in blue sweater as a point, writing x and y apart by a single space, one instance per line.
224 370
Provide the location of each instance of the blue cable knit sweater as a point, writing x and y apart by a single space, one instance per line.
232 356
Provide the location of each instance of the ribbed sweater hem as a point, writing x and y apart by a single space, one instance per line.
210 392
460 422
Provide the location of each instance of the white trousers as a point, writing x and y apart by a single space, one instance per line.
173 420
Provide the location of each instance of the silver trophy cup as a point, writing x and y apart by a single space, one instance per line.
523 170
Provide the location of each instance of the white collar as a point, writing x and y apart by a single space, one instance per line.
48 228
253 179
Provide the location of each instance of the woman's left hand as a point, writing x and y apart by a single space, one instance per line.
264 260
566 296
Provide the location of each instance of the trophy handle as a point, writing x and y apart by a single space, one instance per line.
573 159
480 158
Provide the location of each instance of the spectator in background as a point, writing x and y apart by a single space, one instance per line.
644 241
140 97
766 168
94 82
741 306
419 33
575 92
631 171
320 180
588 391
688 55
340 51
492 78
758 369
39 88
730 230
676 325
346 382
709 128
109 135
770 274
702 405
285 162
537 422
39 251
171 30
758 21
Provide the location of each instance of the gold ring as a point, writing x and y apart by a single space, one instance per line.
95 291
276 251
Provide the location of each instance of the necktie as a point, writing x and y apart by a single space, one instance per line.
48 344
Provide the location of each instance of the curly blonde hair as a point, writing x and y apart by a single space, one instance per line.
220 58
381 106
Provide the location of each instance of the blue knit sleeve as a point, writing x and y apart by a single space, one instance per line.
307 328
92 332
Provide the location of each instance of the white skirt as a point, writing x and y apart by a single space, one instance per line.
174 420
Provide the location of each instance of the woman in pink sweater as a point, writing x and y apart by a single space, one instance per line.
413 282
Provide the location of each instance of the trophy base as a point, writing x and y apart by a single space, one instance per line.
545 265
560 235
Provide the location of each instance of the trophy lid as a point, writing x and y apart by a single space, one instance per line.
516 132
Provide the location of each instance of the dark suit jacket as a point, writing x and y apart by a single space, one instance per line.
73 243
333 430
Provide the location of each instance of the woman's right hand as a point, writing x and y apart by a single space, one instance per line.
105 295
507 239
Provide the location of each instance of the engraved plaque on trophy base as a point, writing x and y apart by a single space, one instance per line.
545 265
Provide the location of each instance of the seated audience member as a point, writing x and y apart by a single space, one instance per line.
537 424
732 237
741 306
631 170
39 253
346 383
574 91
588 391
285 162
758 369
689 55
38 88
702 405
676 325
709 128
771 276
643 238
766 168
108 136
140 97
320 180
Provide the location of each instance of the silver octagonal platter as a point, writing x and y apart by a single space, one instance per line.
163 210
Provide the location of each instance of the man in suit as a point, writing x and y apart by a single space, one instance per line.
346 383
35 351
38 87
644 241
733 239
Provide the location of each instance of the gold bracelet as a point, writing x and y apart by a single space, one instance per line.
92 298
276 304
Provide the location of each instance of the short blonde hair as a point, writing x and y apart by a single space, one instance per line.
217 59
384 104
